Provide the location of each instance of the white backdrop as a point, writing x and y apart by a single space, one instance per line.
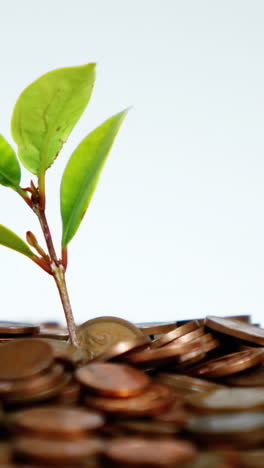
176 226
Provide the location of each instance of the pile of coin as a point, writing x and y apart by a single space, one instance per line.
181 394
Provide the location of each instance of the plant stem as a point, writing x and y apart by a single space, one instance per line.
58 273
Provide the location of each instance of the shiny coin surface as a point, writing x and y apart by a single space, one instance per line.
227 423
161 355
187 383
98 334
38 383
123 347
23 358
17 328
156 328
57 421
228 399
112 379
251 378
236 328
155 399
56 452
178 332
147 452
229 364
66 352
56 333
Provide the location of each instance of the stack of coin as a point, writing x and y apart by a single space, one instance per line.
187 394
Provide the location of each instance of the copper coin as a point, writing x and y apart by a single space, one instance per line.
156 328
250 378
56 452
156 398
227 423
161 355
132 451
60 422
229 364
67 352
54 390
236 328
39 382
98 334
186 383
176 333
17 328
228 399
24 358
123 347
112 379
56 333
187 337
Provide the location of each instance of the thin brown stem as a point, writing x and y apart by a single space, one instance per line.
58 272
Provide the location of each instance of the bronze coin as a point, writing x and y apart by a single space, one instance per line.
227 424
22 397
17 328
39 382
24 358
112 379
186 383
56 452
156 398
156 328
56 333
229 364
250 378
228 399
67 352
123 347
60 422
98 334
187 337
237 329
132 451
158 356
175 333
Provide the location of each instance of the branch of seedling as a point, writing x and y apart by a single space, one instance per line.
50 263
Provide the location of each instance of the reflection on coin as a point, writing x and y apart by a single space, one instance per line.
167 338
122 347
187 383
156 398
229 364
16 328
59 422
250 378
23 358
67 352
228 399
132 451
98 334
236 328
227 423
156 328
112 379
56 452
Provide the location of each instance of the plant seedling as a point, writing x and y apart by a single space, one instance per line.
43 118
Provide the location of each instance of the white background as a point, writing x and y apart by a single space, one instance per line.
176 226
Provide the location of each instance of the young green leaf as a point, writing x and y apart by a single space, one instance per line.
82 173
11 240
9 167
46 112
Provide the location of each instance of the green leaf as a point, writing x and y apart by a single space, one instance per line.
9 167
82 173
46 112
11 240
